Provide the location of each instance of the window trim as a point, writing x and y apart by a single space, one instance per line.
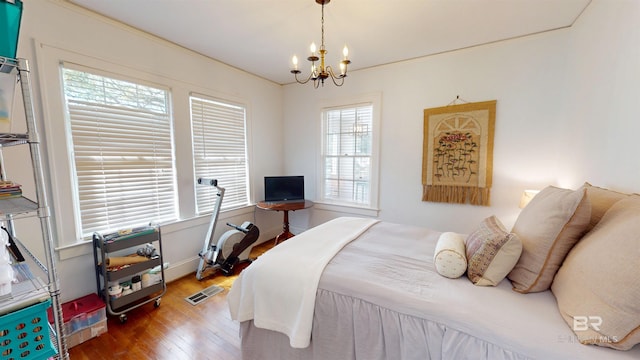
71 145
58 132
55 137
349 207
245 108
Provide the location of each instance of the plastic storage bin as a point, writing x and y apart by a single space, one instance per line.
24 334
84 318
81 313
87 333
10 16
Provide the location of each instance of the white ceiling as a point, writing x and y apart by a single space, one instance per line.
261 36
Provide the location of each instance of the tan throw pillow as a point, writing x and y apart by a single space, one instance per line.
491 252
597 287
601 200
548 227
449 257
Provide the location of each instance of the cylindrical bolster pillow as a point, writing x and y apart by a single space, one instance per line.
450 258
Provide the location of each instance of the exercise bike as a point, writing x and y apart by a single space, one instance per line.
233 247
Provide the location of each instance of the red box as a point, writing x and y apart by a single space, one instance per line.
81 314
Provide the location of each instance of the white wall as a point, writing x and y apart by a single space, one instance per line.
602 122
525 76
50 27
565 115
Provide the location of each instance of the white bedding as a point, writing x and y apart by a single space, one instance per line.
287 305
381 298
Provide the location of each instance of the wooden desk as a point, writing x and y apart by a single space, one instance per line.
285 207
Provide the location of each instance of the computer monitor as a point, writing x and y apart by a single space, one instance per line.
283 188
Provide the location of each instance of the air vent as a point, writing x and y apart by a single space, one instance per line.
203 295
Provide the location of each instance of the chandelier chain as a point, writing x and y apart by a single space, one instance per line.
322 27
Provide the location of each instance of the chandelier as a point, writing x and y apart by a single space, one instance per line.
321 72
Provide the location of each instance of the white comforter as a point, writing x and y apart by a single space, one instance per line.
288 306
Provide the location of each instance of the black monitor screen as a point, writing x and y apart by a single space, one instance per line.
283 188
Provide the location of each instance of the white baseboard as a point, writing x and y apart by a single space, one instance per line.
186 267
268 234
190 266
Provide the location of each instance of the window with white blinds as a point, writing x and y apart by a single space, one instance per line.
220 152
122 151
347 155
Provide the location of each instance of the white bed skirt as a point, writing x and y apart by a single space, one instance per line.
377 334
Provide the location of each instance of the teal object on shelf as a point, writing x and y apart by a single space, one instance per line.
10 16
25 333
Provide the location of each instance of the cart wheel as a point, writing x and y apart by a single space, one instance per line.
157 303
123 318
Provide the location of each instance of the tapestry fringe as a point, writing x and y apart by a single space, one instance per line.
456 194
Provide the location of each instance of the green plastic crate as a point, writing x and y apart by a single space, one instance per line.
10 16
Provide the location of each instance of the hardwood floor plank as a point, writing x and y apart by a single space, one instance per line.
176 329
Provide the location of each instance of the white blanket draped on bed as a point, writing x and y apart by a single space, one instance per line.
287 306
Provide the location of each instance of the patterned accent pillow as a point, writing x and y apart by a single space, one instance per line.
491 252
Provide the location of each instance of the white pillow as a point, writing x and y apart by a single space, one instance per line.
450 258
597 283
550 225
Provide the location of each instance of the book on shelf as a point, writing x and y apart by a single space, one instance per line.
9 189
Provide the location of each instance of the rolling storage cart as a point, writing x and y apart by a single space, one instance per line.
125 277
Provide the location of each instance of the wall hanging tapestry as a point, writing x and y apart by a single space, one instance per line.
458 152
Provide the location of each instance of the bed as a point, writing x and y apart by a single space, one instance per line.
380 296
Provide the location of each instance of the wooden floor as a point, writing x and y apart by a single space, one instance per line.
176 329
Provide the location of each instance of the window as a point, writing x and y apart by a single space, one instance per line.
348 155
220 152
122 151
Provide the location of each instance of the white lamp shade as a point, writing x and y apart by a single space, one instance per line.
527 195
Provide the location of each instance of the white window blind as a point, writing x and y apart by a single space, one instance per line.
122 152
220 152
347 154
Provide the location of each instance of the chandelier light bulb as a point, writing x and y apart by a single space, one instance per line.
345 52
313 49
343 67
294 60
